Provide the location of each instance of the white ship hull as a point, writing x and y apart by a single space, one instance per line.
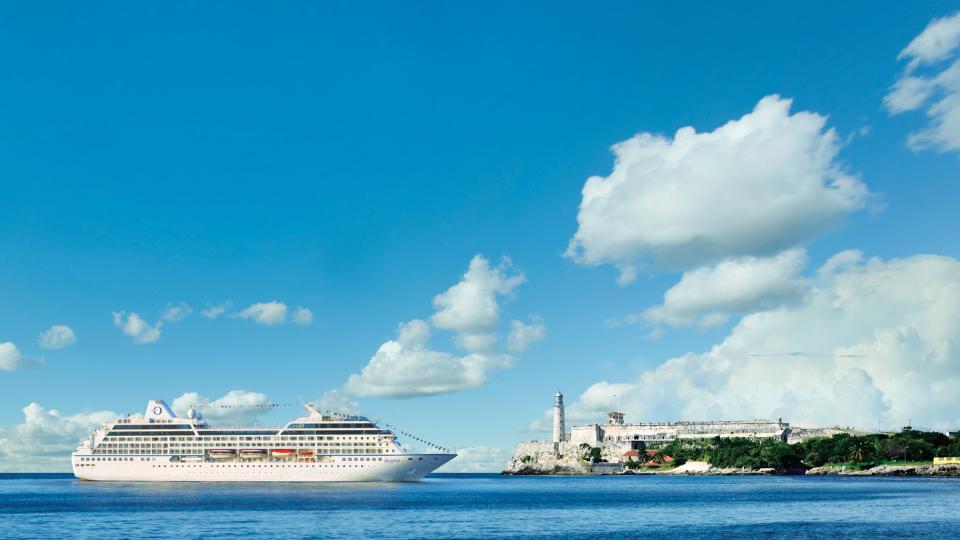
396 468
162 447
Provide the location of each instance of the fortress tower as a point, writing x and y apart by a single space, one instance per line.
558 427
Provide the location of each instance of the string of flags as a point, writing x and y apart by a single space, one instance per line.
244 406
418 439
331 413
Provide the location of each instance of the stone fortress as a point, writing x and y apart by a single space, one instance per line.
561 455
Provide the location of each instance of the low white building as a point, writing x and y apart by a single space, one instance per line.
637 436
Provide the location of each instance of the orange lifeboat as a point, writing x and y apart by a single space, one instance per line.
282 452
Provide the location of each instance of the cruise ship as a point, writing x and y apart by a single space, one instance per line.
160 447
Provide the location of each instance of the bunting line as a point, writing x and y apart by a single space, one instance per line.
248 406
418 439
338 415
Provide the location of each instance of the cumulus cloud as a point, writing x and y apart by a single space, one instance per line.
236 407
45 438
471 308
681 201
57 336
477 459
213 311
302 316
10 357
266 313
709 295
135 327
523 335
337 401
406 367
176 312
931 79
872 341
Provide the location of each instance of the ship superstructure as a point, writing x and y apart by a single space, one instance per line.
318 447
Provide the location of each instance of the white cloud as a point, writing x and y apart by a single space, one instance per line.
45 439
337 401
523 335
937 88
134 326
266 313
236 407
57 336
215 310
710 295
681 201
874 341
176 312
477 459
302 316
10 357
405 367
470 307
938 41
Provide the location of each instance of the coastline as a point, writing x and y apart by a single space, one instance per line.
700 468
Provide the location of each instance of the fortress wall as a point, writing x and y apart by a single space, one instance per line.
589 434
535 447
690 430
802 434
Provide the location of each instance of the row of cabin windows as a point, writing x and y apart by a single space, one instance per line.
116 459
152 426
110 446
330 425
198 451
202 433
326 427
130 437
127 458
344 451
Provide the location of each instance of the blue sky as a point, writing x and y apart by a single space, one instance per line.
353 160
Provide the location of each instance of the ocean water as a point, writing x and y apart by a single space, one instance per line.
486 506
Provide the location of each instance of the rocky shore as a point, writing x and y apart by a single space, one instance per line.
890 470
573 467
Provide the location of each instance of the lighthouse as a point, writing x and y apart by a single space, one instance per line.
558 427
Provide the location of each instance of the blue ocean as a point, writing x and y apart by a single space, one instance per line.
486 506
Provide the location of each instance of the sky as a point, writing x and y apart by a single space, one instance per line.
439 214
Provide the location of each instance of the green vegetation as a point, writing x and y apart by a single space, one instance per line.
860 452
589 453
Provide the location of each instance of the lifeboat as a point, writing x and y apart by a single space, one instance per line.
305 452
222 453
282 452
253 453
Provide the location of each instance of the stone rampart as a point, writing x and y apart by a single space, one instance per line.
593 434
542 457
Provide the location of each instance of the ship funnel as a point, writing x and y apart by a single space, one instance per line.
158 408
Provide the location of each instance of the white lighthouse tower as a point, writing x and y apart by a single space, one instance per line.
558 427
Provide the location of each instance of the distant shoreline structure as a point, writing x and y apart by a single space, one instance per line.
634 436
617 441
